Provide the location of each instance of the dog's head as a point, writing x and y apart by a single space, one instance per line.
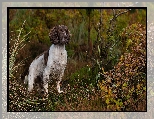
59 35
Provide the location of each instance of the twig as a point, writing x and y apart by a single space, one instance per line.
115 16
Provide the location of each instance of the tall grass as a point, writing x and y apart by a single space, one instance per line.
19 43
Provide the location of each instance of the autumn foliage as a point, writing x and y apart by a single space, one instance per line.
124 87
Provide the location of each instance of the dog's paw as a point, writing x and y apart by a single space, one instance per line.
60 91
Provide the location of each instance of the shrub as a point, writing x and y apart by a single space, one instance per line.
124 87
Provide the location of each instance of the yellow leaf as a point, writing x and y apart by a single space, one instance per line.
107 101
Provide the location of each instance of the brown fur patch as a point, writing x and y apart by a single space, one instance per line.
46 54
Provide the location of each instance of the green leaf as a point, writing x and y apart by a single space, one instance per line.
107 101
125 85
129 42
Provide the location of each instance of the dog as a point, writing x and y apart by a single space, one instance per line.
52 62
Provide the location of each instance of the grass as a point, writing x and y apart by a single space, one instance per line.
77 96
13 51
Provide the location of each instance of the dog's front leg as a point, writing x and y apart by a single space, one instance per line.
46 79
58 87
58 82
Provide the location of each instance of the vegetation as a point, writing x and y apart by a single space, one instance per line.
106 68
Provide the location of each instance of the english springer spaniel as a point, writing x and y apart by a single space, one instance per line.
52 62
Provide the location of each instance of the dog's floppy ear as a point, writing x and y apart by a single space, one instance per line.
68 34
53 35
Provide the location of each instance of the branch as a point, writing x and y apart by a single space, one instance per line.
113 19
116 15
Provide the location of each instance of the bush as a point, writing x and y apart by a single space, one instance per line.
124 87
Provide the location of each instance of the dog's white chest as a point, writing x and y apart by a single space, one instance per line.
57 58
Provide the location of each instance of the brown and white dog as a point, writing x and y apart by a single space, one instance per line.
52 62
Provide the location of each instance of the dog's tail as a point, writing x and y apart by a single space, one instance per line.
26 80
